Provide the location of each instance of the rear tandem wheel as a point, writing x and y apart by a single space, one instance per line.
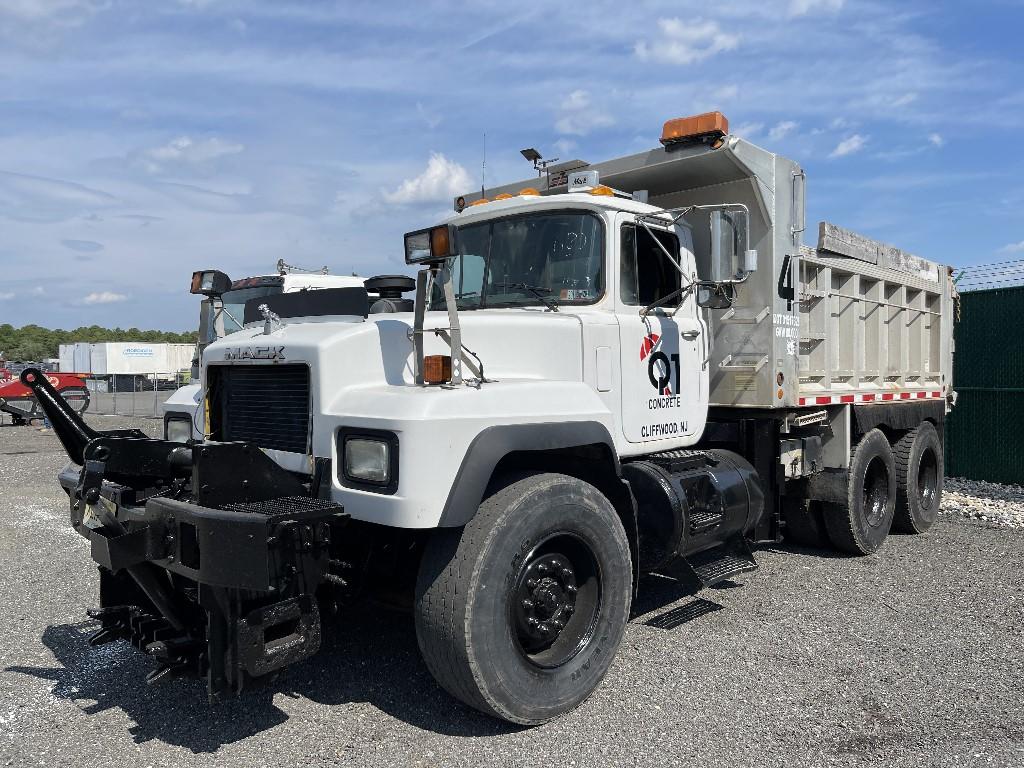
919 479
860 524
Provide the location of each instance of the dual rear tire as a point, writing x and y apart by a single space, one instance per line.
891 487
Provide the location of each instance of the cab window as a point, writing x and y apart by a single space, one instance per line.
646 274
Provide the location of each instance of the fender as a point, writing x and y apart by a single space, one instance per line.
495 443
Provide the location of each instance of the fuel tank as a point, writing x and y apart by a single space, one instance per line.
689 501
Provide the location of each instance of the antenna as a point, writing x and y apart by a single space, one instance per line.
483 167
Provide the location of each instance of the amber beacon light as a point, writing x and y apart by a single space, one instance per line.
708 126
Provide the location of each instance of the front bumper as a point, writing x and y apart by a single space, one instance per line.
224 592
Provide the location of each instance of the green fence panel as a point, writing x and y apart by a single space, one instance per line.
984 431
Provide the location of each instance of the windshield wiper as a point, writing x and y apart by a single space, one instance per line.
536 290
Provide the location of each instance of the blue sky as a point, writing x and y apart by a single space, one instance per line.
142 140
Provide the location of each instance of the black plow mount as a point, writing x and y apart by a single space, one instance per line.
210 554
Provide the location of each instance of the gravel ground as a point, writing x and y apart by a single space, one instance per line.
990 502
910 657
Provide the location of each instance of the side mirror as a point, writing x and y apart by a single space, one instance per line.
731 257
714 296
207 332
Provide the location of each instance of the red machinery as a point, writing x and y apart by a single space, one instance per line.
17 399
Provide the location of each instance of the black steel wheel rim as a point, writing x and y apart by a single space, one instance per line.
927 478
555 601
875 491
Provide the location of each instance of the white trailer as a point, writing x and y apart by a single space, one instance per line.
631 367
128 358
139 358
75 357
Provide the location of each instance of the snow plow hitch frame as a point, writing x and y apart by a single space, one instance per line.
210 554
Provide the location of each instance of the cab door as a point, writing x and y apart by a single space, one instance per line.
663 351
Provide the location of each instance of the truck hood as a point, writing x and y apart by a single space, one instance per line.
344 353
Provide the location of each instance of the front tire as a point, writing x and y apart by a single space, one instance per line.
919 478
520 613
860 525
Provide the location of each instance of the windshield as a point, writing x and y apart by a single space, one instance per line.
534 259
234 304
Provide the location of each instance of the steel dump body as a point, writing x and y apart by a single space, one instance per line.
811 326
872 331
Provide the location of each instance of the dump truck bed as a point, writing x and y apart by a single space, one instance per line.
875 323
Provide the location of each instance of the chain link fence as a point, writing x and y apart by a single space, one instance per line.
141 395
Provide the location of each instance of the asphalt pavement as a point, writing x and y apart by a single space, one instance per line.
911 657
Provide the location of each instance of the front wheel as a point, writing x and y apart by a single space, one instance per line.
520 613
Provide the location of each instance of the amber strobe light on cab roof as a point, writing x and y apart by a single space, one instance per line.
710 125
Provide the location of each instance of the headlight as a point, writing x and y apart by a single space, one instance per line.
368 460
178 430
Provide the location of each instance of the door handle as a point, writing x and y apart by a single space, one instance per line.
690 335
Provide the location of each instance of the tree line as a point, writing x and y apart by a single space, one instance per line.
32 343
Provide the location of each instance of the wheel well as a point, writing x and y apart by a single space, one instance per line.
594 464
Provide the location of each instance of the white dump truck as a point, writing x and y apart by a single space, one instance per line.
622 368
222 312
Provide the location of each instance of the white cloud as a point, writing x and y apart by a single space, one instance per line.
565 147
747 130
849 146
431 117
187 150
578 116
36 10
38 290
36 198
1013 248
782 130
442 179
803 7
6 295
904 100
104 297
686 41
936 140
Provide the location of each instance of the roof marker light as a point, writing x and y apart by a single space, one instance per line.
481 201
503 196
603 191
529 192
710 125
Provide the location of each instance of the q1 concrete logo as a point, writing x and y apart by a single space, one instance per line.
662 369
